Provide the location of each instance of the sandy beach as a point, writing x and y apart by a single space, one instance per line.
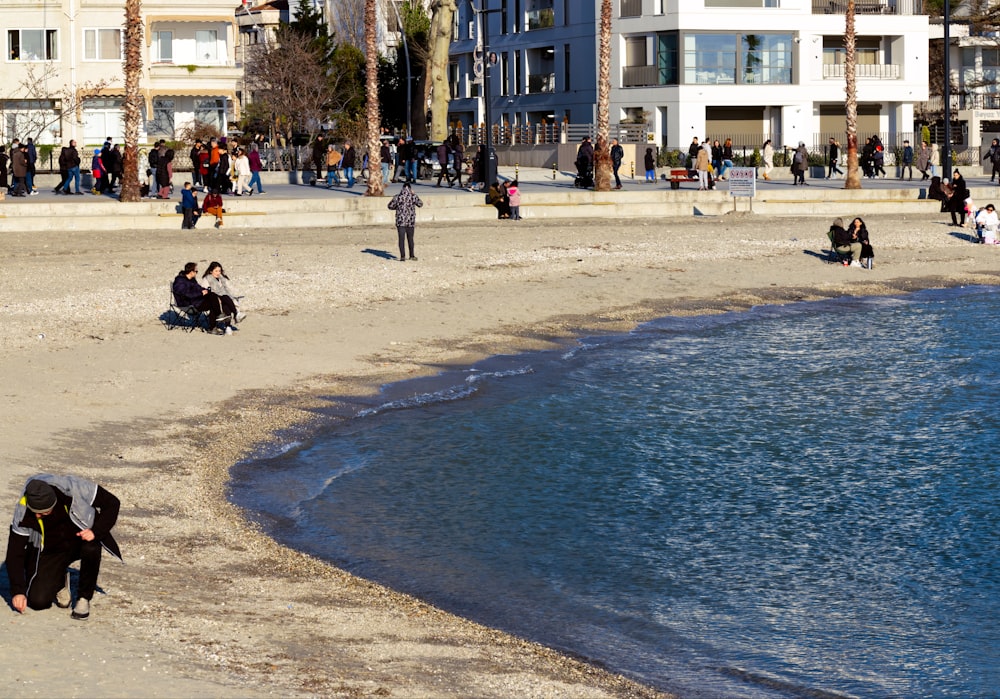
206 606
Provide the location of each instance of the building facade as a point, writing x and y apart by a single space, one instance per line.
746 69
62 75
539 55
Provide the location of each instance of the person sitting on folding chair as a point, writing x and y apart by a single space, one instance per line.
188 292
215 280
845 243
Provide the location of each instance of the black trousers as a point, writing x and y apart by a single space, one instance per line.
190 218
216 306
51 574
405 237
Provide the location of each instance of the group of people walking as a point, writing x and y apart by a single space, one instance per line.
21 166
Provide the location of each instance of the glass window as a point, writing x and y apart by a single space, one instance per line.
709 59
667 59
211 112
163 47
635 51
163 118
206 45
102 44
867 50
32 45
767 59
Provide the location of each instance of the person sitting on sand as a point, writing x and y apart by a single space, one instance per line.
188 292
215 280
73 518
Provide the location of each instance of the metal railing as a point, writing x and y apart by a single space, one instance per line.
630 8
640 76
869 7
876 71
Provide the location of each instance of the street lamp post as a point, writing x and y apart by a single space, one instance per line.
946 150
487 156
409 78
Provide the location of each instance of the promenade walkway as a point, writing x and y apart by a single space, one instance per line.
288 204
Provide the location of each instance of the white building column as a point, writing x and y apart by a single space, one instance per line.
796 124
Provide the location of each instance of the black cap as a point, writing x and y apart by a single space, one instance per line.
39 496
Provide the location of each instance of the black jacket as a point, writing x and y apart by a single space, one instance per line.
22 553
187 292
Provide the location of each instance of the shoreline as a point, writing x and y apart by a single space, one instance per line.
219 609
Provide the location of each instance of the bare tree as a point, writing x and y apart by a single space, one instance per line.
350 24
290 79
602 158
35 119
442 19
853 178
375 185
132 68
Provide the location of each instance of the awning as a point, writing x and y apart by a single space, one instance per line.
203 92
205 19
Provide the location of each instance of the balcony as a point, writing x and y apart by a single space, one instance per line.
172 71
869 7
640 76
630 8
541 83
877 71
544 18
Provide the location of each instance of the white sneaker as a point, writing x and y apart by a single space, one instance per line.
229 330
82 609
855 263
240 317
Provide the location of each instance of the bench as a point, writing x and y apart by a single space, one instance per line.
678 175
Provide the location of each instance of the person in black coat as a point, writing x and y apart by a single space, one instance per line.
956 202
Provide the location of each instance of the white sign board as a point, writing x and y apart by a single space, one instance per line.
742 181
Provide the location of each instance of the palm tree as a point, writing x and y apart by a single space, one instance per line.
602 158
132 68
375 185
853 179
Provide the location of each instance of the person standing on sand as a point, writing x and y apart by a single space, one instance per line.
405 204
58 520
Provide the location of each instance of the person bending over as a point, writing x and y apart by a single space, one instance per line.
58 520
188 292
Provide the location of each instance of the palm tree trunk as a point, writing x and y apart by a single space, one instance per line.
853 179
375 185
602 158
132 68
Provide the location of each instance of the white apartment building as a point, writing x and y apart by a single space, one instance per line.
62 54
756 69
749 69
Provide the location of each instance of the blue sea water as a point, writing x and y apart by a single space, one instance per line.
794 501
